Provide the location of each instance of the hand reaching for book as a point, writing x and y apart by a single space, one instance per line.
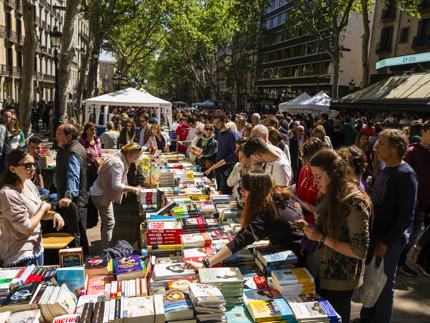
194 265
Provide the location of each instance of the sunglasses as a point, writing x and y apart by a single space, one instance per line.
209 129
28 166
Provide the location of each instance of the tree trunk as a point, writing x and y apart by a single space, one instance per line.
92 72
365 43
28 53
67 52
335 85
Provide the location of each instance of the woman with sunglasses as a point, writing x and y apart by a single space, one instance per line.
204 149
268 212
93 147
21 211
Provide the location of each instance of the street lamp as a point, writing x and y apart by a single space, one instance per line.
55 43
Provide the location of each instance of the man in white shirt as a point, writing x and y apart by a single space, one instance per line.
274 163
262 132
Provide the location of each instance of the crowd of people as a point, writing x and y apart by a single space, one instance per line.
338 191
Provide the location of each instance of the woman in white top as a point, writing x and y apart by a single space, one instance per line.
21 211
239 170
110 186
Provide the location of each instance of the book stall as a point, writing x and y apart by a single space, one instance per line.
184 219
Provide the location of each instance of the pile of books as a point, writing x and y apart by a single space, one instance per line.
229 280
196 240
167 179
151 199
271 258
177 306
199 224
163 233
293 282
312 309
274 309
208 301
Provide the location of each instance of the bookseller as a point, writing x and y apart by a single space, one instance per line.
341 231
21 211
268 212
110 186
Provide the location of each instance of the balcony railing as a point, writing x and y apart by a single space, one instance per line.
383 47
49 78
421 42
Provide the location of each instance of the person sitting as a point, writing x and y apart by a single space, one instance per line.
205 148
110 186
267 213
21 211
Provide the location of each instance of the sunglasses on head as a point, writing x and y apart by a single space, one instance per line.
28 166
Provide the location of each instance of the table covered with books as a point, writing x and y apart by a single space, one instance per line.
184 219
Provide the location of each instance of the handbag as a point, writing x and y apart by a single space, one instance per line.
374 282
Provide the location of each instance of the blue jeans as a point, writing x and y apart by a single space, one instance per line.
381 312
51 196
414 230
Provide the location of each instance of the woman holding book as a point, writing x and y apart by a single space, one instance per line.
341 230
21 211
268 213
110 186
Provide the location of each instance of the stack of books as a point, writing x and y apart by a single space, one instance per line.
177 306
275 309
199 224
163 233
208 301
293 282
197 254
270 258
165 272
149 198
128 268
196 240
229 280
313 310
185 211
167 179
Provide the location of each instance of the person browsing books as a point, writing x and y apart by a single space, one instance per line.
268 212
341 231
21 211
110 186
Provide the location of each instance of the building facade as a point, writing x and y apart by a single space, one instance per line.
394 33
106 71
292 61
47 16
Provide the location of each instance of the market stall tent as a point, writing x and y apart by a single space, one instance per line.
283 107
129 97
319 103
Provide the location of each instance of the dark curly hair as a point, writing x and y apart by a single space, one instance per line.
342 186
355 158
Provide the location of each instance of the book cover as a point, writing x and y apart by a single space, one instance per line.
71 257
172 271
30 316
196 239
182 284
140 307
177 306
168 260
252 295
222 275
96 284
73 277
22 295
292 276
273 310
270 255
205 294
164 227
128 264
238 314
198 252
97 263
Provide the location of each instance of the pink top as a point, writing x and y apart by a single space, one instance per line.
93 151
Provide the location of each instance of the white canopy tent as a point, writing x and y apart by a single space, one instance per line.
129 97
283 107
316 105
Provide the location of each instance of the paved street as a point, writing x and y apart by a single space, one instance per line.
412 302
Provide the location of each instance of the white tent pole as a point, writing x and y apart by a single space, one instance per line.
159 113
98 109
105 119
